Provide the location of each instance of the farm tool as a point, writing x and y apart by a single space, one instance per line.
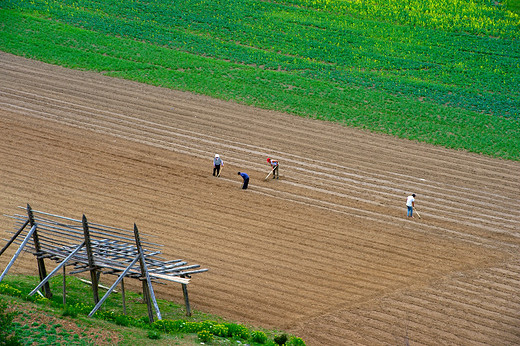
419 215
271 172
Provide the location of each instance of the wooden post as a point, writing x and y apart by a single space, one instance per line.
123 295
41 263
186 298
64 287
146 293
147 284
91 262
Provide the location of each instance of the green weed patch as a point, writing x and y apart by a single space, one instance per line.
206 327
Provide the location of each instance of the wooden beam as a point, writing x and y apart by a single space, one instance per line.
101 286
123 295
64 287
147 286
62 264
119 279
91 262
186 299
171 278
41 263
14 237
17 253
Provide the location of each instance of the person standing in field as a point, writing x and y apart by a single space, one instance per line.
246 179
410 204
217 164
274 166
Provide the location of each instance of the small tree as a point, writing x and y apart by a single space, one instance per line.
280 339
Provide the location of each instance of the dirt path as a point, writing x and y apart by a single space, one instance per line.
325 252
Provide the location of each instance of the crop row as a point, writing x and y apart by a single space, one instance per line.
361 107
485 17
454 89
479 73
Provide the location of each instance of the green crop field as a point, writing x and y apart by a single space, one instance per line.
441 72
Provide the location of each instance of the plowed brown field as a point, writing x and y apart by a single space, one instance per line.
325 252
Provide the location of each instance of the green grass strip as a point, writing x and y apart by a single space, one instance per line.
80 302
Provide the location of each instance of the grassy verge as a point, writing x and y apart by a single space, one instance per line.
48 322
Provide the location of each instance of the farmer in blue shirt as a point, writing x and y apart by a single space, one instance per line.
246 179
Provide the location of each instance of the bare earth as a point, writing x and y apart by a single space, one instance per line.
325 252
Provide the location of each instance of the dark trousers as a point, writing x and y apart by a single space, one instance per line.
275 172
216 170
246 182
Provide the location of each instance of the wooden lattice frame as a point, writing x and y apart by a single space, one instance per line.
98 249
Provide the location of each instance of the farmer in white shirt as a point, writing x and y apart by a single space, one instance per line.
217 163
274 166
410 204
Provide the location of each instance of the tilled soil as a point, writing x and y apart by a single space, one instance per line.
325 252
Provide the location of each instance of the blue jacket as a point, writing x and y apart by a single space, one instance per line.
244 175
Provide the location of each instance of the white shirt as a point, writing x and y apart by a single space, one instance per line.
409 201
